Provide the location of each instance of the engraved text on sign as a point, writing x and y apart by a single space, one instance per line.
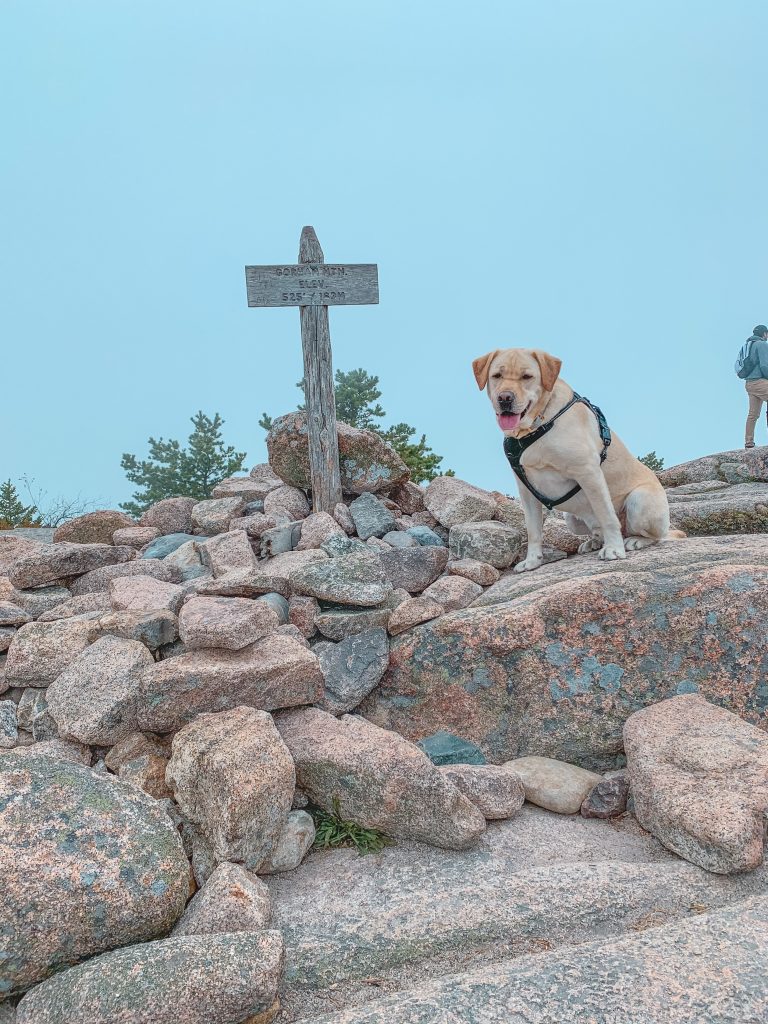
318 284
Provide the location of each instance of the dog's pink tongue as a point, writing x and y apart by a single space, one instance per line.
509 421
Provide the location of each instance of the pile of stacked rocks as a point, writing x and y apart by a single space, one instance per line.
175 691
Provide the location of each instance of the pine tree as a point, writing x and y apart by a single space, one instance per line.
172 471
357 394
652 461
13 512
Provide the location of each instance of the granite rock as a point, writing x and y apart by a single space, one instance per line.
215 515
452 501
100 579
371 517
189 979
171 515
52 562
377 779
144 594
276 672
231 900
40 651
356 579
496 543
413 569
367 462
88 864
294 843
496 792
233 776
228 623
92 528
95 699
699 780
351 669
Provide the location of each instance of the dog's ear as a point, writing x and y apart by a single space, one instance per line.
481 366
549 367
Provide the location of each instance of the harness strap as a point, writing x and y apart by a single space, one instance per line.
515 447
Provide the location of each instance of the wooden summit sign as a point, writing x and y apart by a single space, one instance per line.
313 285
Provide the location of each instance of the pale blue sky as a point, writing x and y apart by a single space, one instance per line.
588 177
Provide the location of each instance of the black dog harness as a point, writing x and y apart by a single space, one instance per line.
515 447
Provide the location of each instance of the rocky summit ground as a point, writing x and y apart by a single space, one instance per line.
568 768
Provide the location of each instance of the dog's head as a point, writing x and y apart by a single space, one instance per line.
517 380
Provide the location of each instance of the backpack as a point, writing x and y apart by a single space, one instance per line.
745 361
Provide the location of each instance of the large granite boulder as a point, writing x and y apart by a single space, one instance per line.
714 508
92 528
189 979
87 864
553 662
367 462
377 778
699 781
739 466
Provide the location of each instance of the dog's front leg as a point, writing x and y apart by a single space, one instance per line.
597 494
534 525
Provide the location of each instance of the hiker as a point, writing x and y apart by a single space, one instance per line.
754 372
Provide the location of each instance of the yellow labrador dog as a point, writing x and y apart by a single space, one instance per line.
570 457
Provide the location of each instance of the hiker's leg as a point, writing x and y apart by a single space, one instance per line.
755 404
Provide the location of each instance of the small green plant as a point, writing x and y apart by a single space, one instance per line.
333 830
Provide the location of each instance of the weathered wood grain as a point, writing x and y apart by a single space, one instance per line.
318 378
313 284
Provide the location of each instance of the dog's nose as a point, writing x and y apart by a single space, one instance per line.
505 397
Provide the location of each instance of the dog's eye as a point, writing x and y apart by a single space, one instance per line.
527 376
496 376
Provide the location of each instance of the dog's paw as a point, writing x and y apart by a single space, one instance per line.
609 552
530 564
593 544
638 543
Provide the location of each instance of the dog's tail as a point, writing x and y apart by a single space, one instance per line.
676 535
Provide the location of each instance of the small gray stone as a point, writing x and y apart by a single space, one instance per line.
279 606
398 539
371 517
163 546
32 704
352 668
452 501
9 729
425 536
41 600
279 539
608 799
340 545
293 845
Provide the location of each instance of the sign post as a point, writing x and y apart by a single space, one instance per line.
313 285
